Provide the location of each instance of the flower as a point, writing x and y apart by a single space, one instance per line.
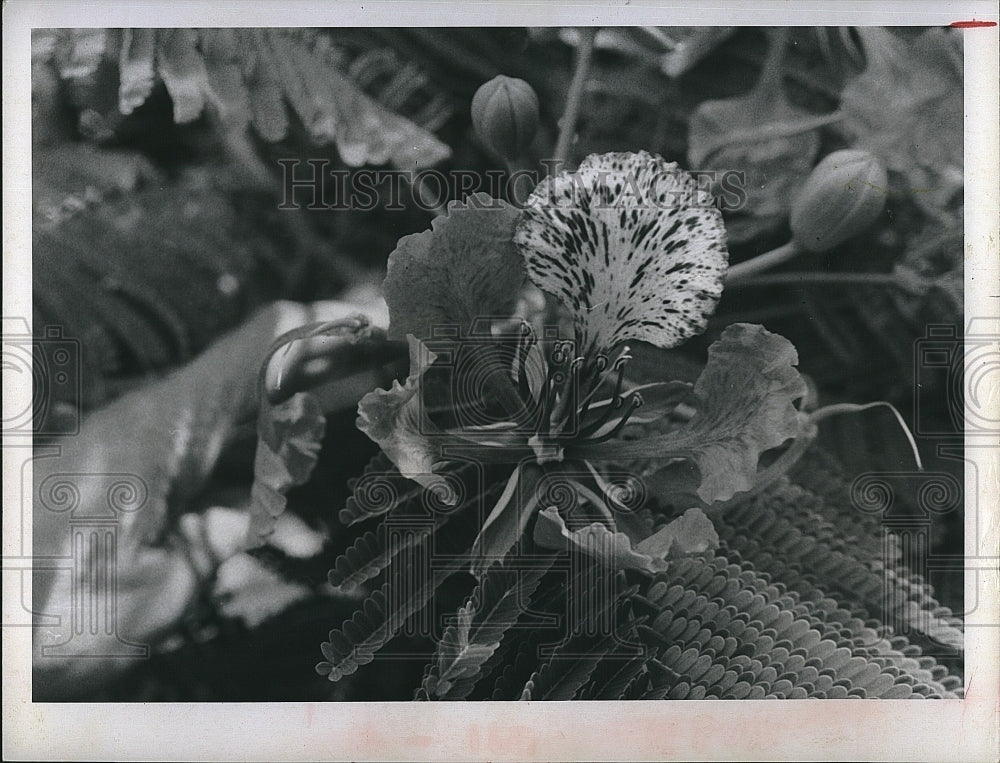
633 251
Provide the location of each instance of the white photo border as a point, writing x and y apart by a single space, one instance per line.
960 730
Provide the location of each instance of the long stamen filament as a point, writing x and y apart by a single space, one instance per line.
619 366
606 415
634 403
525 343
548 398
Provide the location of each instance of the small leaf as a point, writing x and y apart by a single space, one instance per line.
489 613
226 90
135 68
180 66
267 101
79 57
573 662
373 552
334 110
613 676
379 619
410 525
463 268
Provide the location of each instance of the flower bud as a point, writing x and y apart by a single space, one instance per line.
505 115
844 194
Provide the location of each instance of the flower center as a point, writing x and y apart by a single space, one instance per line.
568 402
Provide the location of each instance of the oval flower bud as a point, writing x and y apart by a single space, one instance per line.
505 115
844 195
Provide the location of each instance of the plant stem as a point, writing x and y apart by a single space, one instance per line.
567 125
839 408
774 130
813 278
760 263
770 76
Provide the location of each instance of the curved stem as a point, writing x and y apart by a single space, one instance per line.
762 262
838 408
567 125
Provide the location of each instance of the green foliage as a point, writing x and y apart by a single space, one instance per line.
377 620
572 662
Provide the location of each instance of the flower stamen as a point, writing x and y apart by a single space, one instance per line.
526 341
634 402
619 365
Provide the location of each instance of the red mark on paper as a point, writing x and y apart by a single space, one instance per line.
971 24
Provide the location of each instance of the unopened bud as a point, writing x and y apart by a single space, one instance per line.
842 197
505 115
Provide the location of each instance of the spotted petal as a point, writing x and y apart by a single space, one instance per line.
630 246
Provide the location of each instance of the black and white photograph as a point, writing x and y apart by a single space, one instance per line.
626 364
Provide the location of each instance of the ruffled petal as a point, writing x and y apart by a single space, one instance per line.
395 420
746 406
463 268
630 246
692 533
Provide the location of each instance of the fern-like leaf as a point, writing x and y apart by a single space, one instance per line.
572 663
248 77
381 489
614 674
563 675
491 610
377 621
370 554
411 524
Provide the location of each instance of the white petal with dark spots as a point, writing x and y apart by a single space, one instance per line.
630 246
